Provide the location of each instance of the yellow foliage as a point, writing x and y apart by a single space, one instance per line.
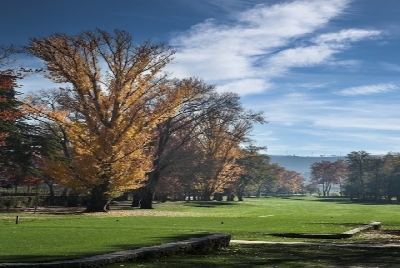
118 95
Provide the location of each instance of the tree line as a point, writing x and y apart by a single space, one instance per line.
361 176
120 123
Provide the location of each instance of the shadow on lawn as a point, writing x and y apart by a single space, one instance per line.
43 258
344 200
210 204
238 256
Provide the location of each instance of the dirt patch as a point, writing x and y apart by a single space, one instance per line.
381 236
55 210
115 211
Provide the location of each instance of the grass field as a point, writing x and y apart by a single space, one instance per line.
41 237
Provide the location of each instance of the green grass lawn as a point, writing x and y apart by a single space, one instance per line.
42 237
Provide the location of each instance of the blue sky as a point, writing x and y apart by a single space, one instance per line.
325 73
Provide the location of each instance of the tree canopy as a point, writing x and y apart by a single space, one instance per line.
117 96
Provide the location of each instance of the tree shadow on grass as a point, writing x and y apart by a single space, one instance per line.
238 256
210 204
31 258
347 200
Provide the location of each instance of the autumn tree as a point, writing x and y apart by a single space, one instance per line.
171 135
184 166
327 173
117 95
218 137
169 188
311 188
290 182
181 131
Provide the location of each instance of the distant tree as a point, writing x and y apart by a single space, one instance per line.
392 176
290 182
270 179
311 188
378 169
168 188
327 173
358 167
255 168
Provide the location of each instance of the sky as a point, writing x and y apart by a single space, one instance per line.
325 73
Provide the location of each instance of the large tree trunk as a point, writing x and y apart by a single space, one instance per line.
149 190
218 196
230 197
240 192
136 197
206 195
99 200
258 193
51 193
73 199
147 197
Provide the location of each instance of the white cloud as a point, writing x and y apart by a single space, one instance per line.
357 122
312 85
297 57
262 43
344 36
245 86
367 89
306 113
345 63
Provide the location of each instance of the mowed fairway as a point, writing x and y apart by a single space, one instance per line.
41 237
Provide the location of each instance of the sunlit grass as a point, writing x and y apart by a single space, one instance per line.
50 237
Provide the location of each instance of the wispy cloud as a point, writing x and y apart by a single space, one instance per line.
367 89
245 54
390 66
345 36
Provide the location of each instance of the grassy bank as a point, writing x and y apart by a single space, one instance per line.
39 237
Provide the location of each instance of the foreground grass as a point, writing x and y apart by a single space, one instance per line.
54 237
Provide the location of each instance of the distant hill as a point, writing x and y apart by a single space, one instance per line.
301 164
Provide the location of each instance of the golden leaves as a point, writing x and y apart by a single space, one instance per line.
118 97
